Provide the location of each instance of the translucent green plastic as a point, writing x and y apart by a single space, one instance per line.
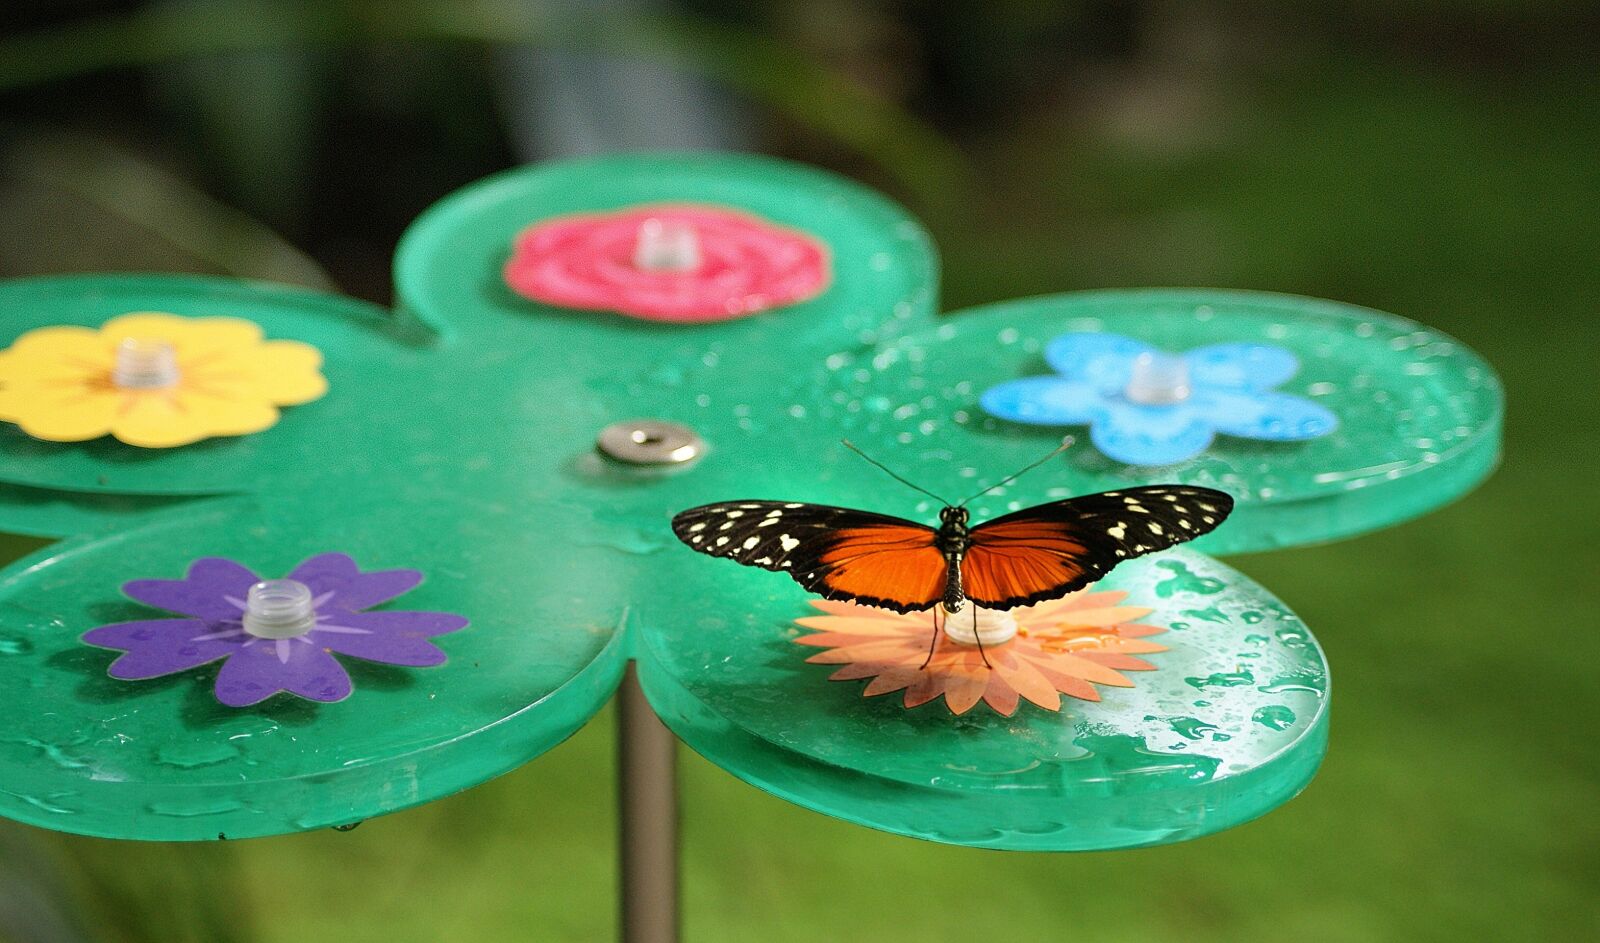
82 752
507 393
46 512
1420 413
1232 723
364 357
457 438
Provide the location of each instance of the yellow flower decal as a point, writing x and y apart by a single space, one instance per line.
154 380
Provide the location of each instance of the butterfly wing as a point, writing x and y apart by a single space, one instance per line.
836 553
1053 549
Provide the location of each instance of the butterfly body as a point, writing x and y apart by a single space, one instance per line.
952 539
1028 556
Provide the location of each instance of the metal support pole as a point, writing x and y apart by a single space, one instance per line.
648 793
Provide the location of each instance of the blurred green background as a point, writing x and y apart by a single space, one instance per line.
1435 158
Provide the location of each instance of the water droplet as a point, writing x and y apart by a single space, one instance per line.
666 374
202 753
627 539
1182 580
52 802
1251 616
1190 728
1209 614
194 808
1224 679
1307 680
1293 636
1274 717
14 645
57 753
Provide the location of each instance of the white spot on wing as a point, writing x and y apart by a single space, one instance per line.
788 543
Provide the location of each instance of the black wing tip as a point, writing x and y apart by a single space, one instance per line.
1225 503
690 515
1218 495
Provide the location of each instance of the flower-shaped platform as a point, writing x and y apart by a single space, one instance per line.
162 759
457 438
1231 723
1418 413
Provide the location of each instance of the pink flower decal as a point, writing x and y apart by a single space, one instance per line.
678 262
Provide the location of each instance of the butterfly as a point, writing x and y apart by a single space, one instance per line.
1038 553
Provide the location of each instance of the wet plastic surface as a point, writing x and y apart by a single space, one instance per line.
467 452
162 759
458 438
1232 723
1419 414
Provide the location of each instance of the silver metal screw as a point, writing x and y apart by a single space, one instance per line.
650 442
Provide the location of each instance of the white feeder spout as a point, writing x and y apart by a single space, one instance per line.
993 627
666 247
143 364
279 609
1158 380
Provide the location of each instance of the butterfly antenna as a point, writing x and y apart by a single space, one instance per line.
885 470
1065 444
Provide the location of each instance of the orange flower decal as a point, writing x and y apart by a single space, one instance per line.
1062 646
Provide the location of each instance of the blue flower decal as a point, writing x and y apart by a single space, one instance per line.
1144 406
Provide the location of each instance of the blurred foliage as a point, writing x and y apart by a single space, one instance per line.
1427 157
179 226
799 86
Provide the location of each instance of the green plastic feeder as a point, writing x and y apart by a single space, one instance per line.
458 437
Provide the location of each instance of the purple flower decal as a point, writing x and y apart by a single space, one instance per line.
275 635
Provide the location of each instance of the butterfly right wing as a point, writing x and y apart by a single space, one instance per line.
1047 551
837 553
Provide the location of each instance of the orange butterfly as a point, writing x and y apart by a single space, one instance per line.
1042 552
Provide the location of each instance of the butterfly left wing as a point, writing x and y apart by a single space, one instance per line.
1048 551
837 553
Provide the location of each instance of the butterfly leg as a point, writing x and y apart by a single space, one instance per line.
981 653
933 645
